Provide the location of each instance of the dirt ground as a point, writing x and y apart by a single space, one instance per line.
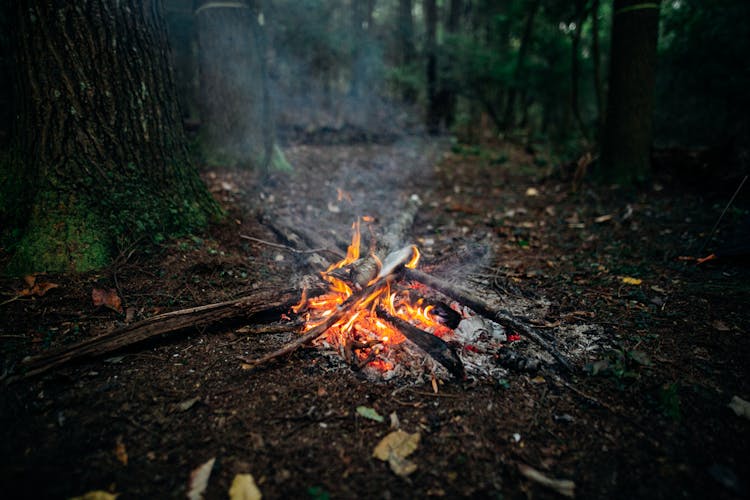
644 417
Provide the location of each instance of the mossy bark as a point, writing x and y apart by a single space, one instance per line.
99 133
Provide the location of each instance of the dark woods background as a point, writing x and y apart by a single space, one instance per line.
531 68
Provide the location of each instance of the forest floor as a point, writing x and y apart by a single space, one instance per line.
644 415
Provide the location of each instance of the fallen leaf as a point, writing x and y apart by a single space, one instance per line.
394 448
199 480
106 297
720 326
97 495
565 487
740 407
36 288
532 192
187 404
244 488
631 281
120 451
370 413
603 218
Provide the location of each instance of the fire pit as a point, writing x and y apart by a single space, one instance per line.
396 316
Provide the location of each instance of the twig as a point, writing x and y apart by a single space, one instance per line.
279 245
716 226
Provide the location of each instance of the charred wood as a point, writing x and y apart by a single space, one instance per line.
434 346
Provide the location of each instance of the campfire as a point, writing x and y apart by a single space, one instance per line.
375 324
365 324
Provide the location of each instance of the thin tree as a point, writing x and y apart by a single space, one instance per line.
101 151
433 106
626 141
509 119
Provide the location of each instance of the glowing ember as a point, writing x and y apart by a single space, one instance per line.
360 332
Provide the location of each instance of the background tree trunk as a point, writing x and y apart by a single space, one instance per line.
433 107
626 141
233 101
597 63
406 45
99 133
509 119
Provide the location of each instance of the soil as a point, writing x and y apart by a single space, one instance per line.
644 415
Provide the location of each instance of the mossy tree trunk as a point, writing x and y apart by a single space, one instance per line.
627 135
237 126
98 135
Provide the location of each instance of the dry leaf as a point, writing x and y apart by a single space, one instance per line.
631 281
36 288
106 297
394 448
532 192
244 488
740 407
199 480
120 451
603 218
97 495
565 487
720 326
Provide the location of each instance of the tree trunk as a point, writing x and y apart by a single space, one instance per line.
406 45
575 65
99 133
597 63
447 98
433 107
233 100
626 145
509 119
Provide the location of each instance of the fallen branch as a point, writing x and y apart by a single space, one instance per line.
249 308
484 309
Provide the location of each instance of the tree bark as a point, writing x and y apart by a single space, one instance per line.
99 133
626 141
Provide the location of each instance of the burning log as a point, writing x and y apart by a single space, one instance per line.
483 308
438 349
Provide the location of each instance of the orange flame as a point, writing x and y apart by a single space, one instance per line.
361 325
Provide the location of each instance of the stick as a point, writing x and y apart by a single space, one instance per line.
483 308
278 245
319 330
249 307
436 347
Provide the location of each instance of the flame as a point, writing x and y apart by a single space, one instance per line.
361 326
